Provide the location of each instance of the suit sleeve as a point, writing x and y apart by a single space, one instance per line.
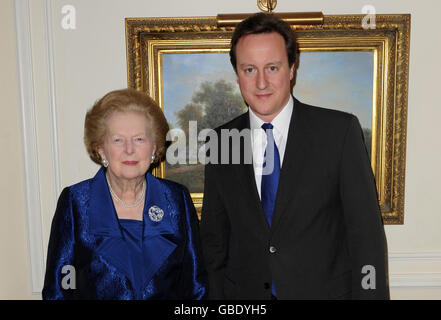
367 241
193 279
59 281
215 231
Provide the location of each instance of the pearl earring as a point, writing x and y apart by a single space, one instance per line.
105 163
153 158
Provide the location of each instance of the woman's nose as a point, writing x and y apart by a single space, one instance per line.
129 147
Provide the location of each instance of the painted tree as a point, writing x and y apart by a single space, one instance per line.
191 112
220 103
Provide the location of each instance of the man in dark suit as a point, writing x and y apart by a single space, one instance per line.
301 220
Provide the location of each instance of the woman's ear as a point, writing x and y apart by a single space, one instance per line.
153 157
101 152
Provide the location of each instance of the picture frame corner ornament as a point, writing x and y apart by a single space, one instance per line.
267 5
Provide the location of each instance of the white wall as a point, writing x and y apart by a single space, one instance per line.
14 262
72 68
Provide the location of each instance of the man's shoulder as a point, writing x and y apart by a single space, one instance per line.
316 113
240 122
326 123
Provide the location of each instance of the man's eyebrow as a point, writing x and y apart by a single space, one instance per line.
274 62
246 64
253 65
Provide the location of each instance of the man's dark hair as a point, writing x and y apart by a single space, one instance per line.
264 23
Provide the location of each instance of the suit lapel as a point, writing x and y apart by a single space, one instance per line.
295 155
245 174
104 225
157 245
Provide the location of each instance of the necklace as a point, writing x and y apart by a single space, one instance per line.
125 204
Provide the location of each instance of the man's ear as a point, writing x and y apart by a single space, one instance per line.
291 72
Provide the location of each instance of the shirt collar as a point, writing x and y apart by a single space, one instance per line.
280 122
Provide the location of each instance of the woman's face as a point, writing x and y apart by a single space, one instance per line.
128 147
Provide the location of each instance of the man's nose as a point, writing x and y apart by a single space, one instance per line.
261 80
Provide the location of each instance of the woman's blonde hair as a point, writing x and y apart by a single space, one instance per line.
124 100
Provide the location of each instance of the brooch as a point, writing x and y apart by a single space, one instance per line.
156 213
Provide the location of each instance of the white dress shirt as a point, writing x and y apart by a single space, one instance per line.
259 139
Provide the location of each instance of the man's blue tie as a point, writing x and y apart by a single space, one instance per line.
270 173
270 178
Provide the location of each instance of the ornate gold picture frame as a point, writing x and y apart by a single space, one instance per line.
148 39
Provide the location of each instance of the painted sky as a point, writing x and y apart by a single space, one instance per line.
336 80
184 73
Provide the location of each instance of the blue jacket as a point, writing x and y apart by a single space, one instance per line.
88 258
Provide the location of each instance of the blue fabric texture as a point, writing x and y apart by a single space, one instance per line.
270 178
271 173
132 231
152 260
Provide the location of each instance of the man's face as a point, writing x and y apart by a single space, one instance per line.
263 73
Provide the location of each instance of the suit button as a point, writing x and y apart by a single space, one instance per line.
266 285
272 249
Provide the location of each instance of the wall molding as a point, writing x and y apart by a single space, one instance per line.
52 96
412 256
30 145
29 131
416 279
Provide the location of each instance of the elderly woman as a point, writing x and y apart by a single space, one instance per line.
124 234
